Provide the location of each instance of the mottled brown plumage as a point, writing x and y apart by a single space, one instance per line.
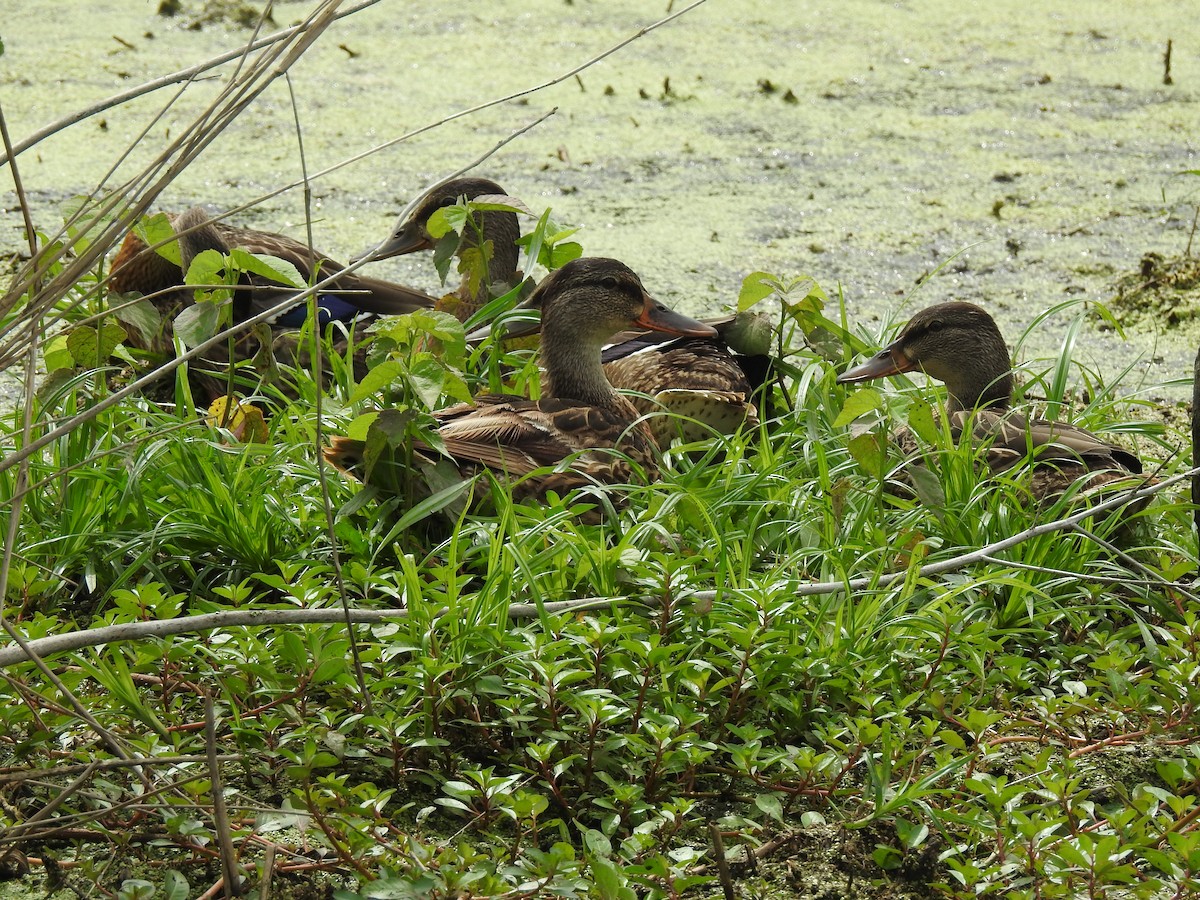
580 425
960 345
702 383
138 269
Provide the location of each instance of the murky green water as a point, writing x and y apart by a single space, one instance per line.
1033 141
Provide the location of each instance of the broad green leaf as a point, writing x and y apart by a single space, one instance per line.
175 886
329 669
597 842
922 422
290 650
561 254
473 266
141 315
928 488
426 376
357 430
155 228
443 253
376 380
912 835
952 738
455 386
606 878
751 333
867 450
136 889
267 266
57 355
756 286
197 323
90 347
445 220
207 267
499 203
770 805
392 423
859 403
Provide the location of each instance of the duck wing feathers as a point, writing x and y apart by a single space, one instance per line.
1012 438
682 364
373 295
138 268
515 436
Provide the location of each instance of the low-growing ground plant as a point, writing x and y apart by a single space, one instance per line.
765 672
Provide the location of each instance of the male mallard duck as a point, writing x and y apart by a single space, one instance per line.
706 385
960 345
580 418
136 268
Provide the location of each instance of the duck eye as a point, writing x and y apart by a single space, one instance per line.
610 282
935 325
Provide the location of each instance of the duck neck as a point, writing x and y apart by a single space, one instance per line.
573 369
989 387
500 230
197 234
503 230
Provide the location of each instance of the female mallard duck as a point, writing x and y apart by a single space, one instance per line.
700 380
579 419
496 235
136 268
960 345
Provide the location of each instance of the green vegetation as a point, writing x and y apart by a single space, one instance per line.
755 646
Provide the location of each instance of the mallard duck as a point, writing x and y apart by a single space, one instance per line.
498 230
138 269
579 418
960 345
705 384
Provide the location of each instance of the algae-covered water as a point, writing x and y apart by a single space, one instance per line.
1023 149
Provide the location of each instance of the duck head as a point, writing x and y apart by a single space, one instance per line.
583 305
956 343
412 234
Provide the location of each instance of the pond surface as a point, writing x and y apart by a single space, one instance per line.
1021 153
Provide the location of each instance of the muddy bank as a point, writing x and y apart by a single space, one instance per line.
867 144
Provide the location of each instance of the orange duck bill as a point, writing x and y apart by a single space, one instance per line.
888 361
658 317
